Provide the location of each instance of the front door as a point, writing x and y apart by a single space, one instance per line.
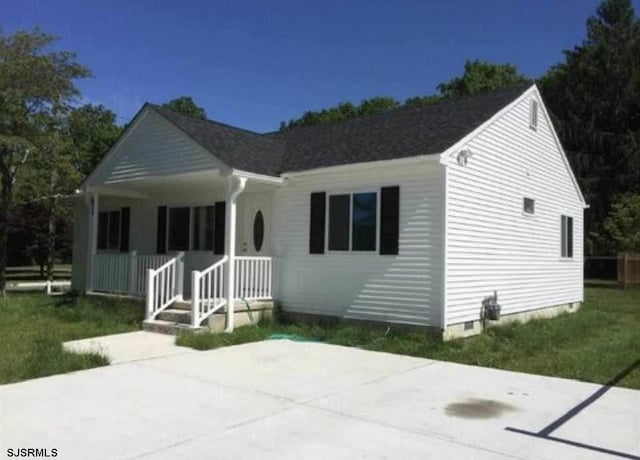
256 239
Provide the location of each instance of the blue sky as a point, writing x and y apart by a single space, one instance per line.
255 63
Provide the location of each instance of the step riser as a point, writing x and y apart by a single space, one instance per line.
175 317
168 329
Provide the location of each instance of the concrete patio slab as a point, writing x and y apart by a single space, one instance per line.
282 399
130 346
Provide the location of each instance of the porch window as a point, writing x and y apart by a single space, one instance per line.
203 224
353 222
109 230
179 229
113 241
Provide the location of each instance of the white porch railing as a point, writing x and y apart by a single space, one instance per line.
111 272
207 291
142 266
253 278
164 285
124 273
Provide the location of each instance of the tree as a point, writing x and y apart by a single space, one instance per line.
594 96
479 77
186 106
622 225
33 81
342 111
92 130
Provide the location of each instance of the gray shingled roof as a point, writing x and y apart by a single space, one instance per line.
397 133
235 147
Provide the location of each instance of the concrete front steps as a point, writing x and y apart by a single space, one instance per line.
177 318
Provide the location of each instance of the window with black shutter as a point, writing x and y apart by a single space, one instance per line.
103 229
360 222
317 222
161 231
113 240
179 228
389 220
219 227
125 224
339 222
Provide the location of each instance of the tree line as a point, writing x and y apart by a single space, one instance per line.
49 143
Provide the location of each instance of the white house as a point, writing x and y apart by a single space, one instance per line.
414 216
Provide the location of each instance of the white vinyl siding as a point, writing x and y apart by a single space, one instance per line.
404 288
491 243
153 148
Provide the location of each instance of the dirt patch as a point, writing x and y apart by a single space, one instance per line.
478 408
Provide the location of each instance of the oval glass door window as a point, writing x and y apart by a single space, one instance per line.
258 231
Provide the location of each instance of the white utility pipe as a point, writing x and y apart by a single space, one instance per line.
232 194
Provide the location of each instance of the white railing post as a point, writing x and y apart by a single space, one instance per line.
150 293
180 276
195 298
133 272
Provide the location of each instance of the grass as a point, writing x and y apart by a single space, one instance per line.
33 327
595 344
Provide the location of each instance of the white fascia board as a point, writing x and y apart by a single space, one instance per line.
366 165
114 191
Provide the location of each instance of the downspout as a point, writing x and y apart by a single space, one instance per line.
232 195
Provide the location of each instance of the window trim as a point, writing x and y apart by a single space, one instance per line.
351 192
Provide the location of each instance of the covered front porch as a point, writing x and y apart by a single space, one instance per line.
202 238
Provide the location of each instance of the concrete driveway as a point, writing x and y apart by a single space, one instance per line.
292 400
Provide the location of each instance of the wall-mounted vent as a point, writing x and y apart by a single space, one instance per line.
533 114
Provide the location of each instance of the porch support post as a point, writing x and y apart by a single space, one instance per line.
92 238
236 187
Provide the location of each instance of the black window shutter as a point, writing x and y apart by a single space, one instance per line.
389 220
161 235
219 227
125 223
103 226
317 222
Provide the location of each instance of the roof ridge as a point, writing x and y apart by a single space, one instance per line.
207 120
408 108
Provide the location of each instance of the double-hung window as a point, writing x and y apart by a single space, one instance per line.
353 222
566 236
179 229
203 228
113 230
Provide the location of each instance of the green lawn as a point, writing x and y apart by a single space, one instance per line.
33 327
595 344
